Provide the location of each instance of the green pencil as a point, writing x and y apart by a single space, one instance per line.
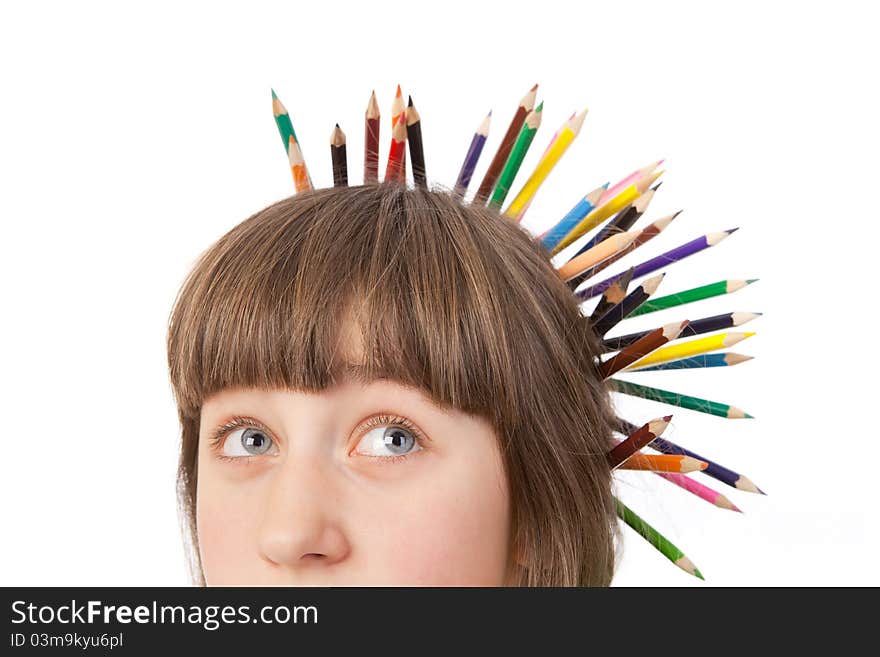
516 157
677 399
688 296
655 538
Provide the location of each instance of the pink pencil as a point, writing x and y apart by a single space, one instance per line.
698 489
635 175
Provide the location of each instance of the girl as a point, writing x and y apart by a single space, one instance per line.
380 385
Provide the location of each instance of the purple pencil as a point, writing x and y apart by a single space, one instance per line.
674 255
473 155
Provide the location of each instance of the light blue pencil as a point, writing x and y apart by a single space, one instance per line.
553 236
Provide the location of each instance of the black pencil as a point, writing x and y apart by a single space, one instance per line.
414 140
337 155
612 296
632 301
696 327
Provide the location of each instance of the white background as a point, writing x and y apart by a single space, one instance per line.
132 137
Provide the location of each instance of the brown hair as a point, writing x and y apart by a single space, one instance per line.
450 298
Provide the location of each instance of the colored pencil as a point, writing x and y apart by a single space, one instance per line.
546 150
285 128
567 134
395 169
700 490
663 463
630 179
656 539
620 222
645 235
517 155
636 440
718 472
472 156
691 348
649 342
414 140
526 104
602 212
696 327
673 255
301 180
398 114
282 120
338 157
694 294
371 140
612 296
581 209
727 359
678 399
634 299
602 251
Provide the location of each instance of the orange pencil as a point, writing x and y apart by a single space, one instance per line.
663 463
301 180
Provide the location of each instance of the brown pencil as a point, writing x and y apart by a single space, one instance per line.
638 439
414 144
643 346
526 105
371 141
648 233
613 295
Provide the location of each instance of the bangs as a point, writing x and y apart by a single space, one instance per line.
376 281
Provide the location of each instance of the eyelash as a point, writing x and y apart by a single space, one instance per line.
240 422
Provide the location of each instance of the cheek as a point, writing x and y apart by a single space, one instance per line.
226 555
450 530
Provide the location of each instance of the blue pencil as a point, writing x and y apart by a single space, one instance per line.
703 360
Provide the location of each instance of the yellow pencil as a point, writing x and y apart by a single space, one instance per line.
614 205
691 348
602 251
564 137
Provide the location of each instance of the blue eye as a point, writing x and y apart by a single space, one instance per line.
247 442
388 441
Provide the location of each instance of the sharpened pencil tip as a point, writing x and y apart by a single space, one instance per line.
731 231
749 416
409 101
699 574
540 107
535 88
677 213
657 186
752 280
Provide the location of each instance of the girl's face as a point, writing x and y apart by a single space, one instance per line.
361 484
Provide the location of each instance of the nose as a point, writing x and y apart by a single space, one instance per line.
300 528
